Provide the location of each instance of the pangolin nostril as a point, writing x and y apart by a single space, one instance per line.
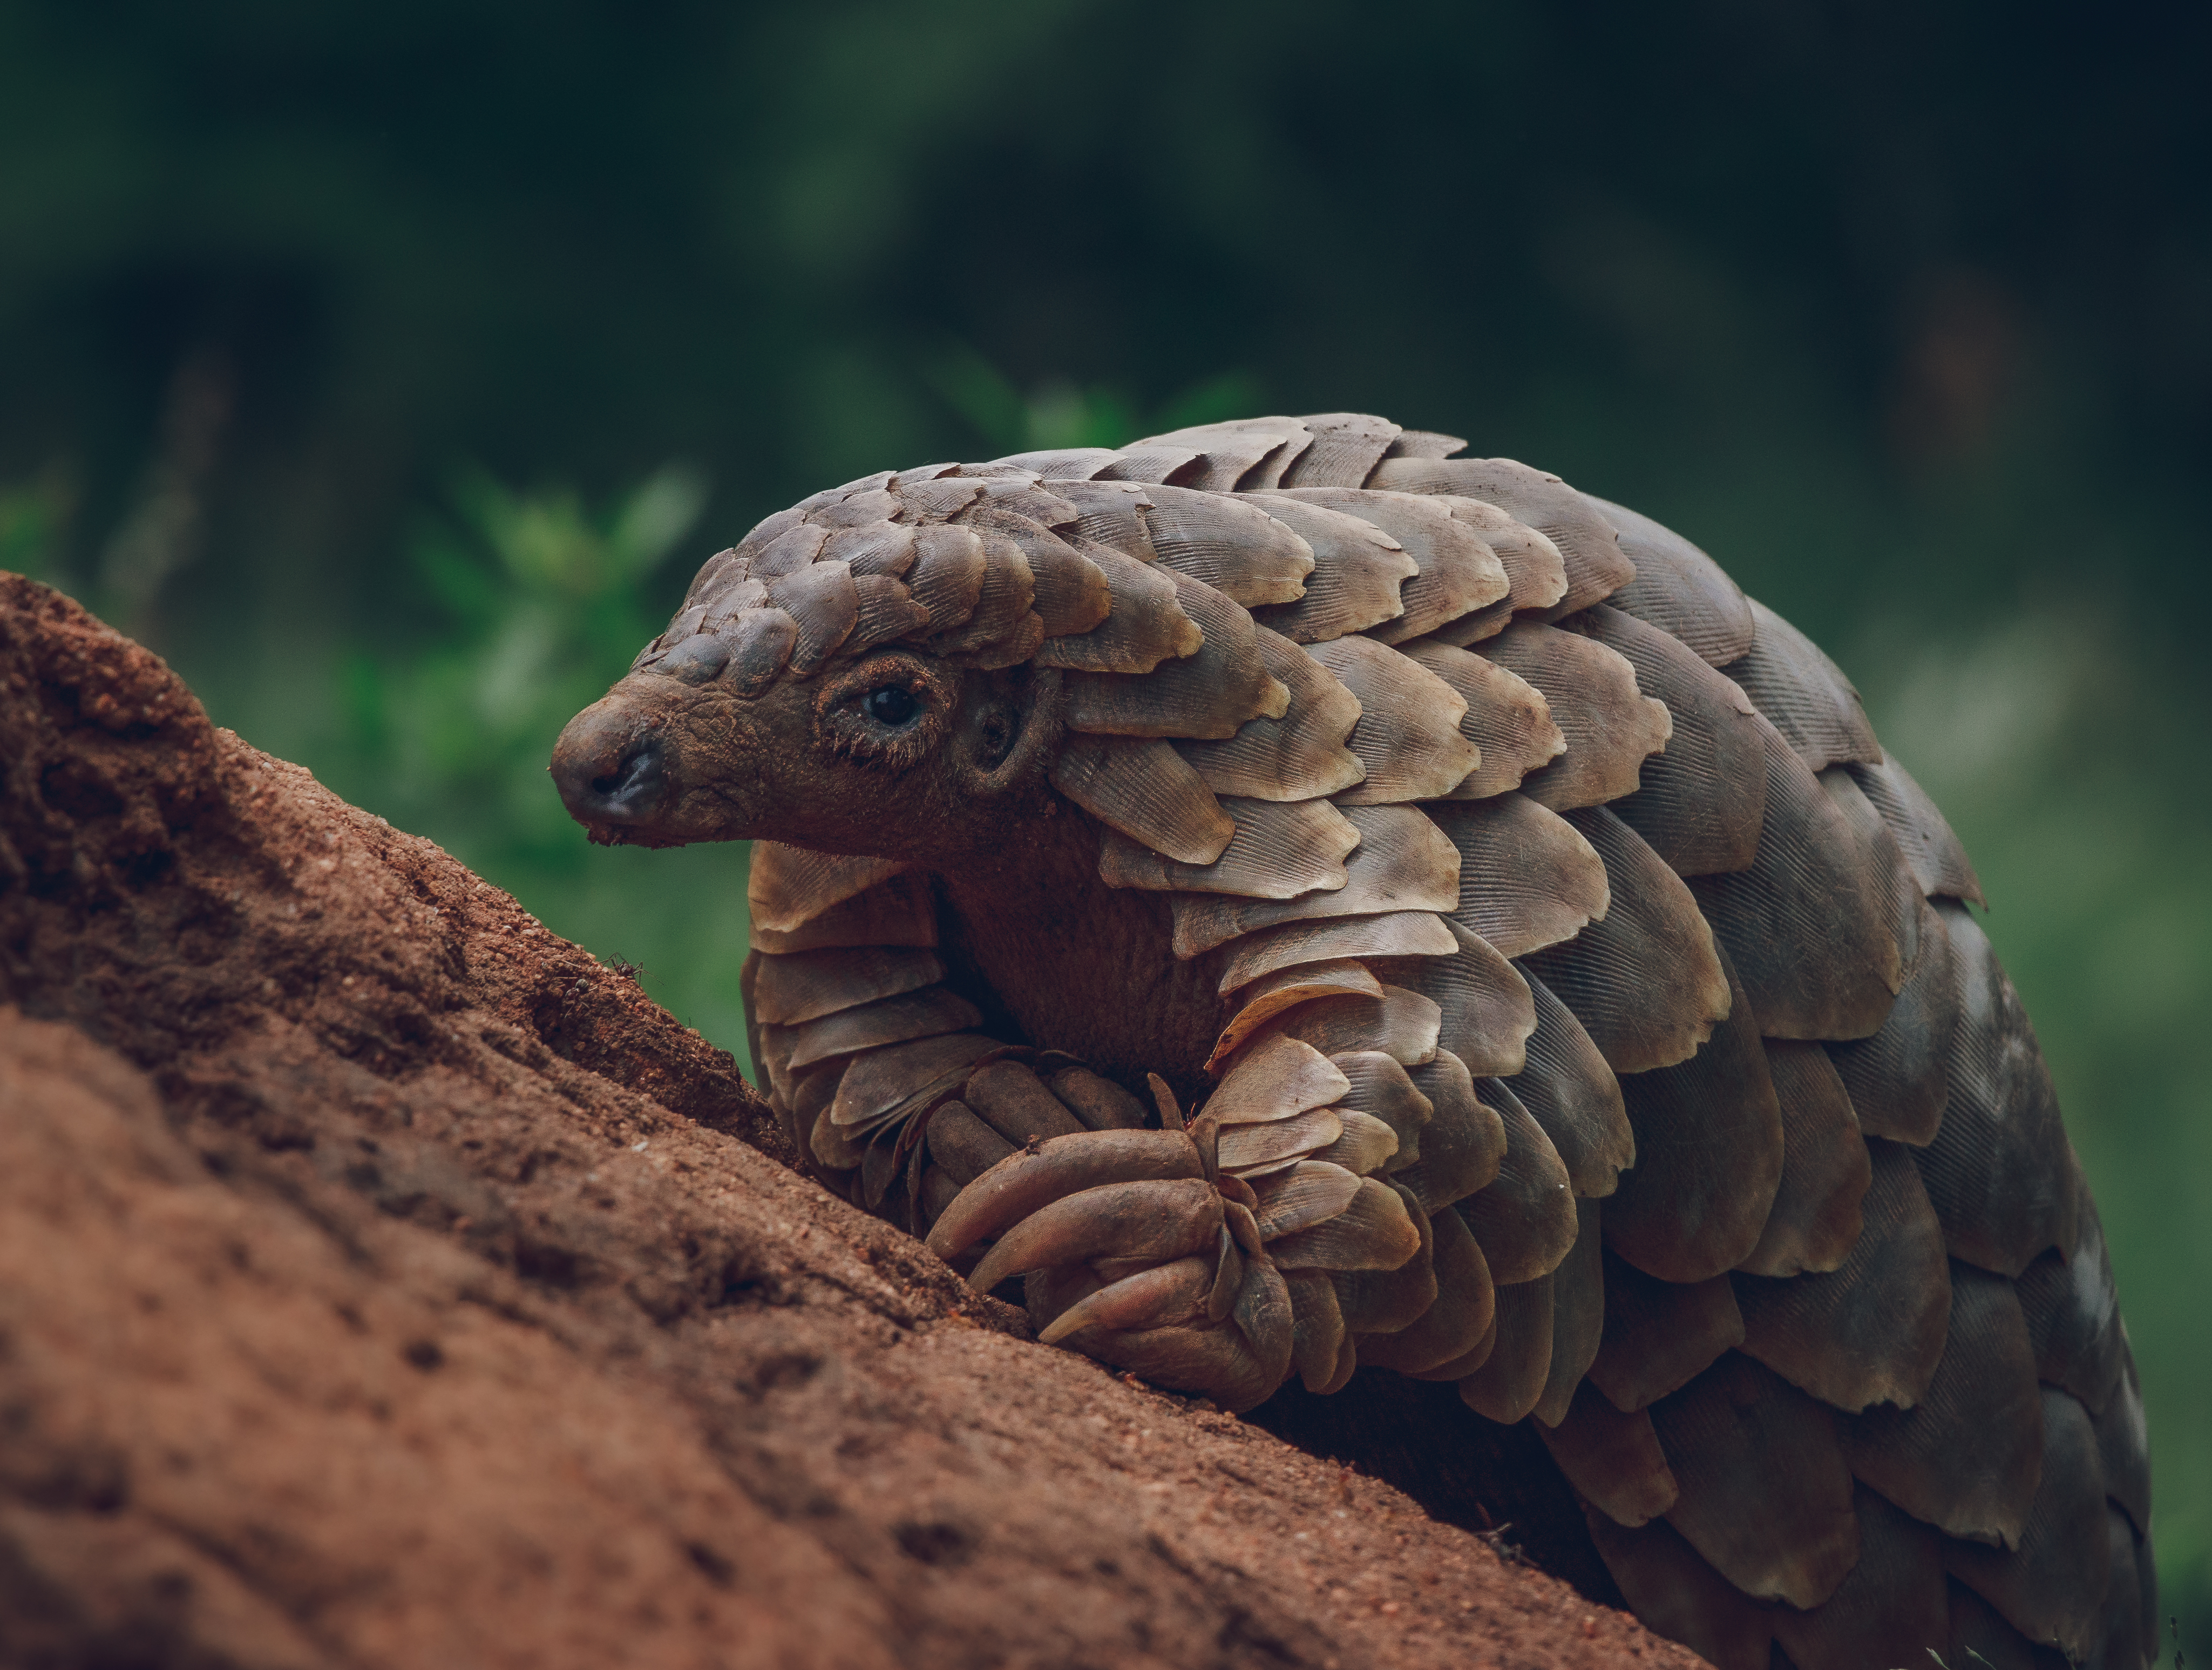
607 771
634 786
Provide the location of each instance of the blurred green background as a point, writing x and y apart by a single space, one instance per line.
390 367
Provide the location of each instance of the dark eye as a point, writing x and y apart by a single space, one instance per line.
893 705
889 713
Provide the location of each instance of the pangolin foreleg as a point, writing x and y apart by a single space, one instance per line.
1213 1255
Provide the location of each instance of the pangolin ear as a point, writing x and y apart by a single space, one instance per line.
1017 733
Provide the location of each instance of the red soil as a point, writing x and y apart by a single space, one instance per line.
383 1281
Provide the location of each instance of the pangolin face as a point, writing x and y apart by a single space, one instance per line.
895 753
861 676
886 669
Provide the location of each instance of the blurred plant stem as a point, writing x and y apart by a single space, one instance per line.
166 525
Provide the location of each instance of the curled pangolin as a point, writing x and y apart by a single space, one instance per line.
1571 999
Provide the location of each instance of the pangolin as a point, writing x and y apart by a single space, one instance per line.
1302 899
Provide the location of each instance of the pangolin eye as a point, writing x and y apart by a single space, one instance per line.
893 705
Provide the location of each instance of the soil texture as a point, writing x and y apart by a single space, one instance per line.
384 1282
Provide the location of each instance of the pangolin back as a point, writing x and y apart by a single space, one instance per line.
1608 1034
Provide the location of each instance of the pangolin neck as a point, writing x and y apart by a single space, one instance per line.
1078 966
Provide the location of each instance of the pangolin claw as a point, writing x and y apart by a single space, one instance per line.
1154 1220
1239 1364
1228 1276
1165 1293
1029 1180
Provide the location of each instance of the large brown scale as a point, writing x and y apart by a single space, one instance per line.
1308 901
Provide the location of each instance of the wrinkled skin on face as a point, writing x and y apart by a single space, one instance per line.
893 754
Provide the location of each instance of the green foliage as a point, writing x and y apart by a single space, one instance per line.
540 603
35 524
1059 413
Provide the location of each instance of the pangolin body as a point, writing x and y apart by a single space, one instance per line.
1539 978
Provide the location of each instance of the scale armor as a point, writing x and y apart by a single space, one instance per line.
1591 1017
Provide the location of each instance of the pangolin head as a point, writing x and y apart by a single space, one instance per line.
912 665
895 753
808 695
859 675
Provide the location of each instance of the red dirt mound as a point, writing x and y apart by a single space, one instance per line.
384 1282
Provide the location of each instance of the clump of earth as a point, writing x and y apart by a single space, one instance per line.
386 1282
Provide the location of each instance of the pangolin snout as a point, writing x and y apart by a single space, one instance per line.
610 767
